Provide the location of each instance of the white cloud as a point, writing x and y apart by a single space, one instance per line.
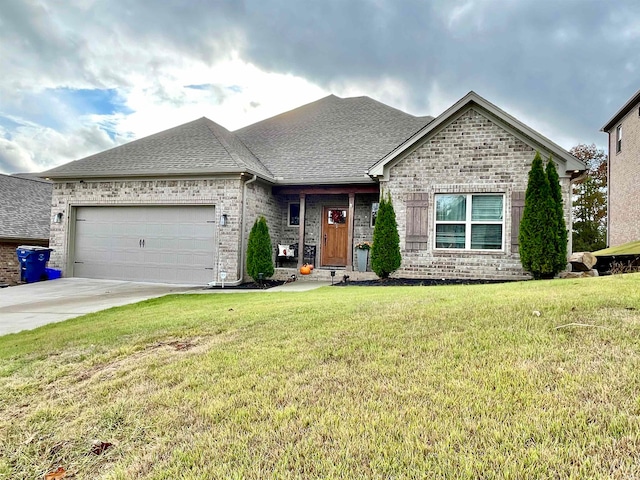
240 94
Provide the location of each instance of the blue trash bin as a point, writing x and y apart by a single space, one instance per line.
33 261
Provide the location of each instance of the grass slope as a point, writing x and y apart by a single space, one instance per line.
631 248
435 382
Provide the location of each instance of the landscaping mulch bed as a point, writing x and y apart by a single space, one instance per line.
415 282
249 285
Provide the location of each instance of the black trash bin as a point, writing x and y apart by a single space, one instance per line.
33 261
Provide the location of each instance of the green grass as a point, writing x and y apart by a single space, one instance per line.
631 248
378 382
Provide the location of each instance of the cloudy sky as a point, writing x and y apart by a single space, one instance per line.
81 76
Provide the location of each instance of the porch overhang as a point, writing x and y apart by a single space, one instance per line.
325 189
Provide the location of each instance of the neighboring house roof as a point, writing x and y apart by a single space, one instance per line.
331 140
30 176
25 208
197 147
635 99
519 129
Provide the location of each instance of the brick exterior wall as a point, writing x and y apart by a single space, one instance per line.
471 154
624 178
9 266
225 194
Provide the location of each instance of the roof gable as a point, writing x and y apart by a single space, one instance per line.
25 208
510 123
197 147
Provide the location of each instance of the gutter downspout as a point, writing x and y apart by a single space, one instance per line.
242 229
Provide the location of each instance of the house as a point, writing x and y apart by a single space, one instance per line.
177 206
623 209
25 206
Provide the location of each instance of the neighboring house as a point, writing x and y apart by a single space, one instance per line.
623 212
25 206
177 206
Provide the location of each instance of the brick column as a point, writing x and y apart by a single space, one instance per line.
351 218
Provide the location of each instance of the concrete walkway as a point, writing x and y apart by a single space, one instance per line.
32 305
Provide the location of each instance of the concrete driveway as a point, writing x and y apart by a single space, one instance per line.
35 304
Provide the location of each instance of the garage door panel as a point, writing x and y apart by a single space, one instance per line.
178 243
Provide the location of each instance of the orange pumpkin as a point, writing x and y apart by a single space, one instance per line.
305 270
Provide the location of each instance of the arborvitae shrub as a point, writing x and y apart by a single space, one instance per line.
562 234
538 228
385 251
259 258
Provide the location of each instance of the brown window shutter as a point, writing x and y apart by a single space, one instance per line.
517 208
417 211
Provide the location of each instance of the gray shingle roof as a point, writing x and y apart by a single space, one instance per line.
25 208
331 139
201 146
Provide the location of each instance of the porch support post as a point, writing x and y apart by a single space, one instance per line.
352 209
301 231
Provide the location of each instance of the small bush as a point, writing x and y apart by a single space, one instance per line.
385 252
259 258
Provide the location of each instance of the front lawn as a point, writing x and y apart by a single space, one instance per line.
518 380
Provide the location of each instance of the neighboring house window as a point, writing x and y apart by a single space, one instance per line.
294 214
374 213
470 222
619 139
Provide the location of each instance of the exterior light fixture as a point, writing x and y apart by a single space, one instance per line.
333 274
57 218
224 219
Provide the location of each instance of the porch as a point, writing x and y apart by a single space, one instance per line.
329 221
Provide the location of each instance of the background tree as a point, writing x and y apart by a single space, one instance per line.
562 234
538 227
590 201
385 251
259 258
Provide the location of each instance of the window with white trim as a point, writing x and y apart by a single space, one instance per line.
294 214
618 138
470 221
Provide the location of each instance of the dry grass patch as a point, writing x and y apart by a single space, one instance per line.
438 382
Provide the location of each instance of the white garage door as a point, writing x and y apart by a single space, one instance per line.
169 244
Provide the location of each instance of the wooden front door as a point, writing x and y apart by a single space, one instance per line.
335 234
